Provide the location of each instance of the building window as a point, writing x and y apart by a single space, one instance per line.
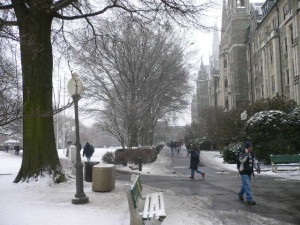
285 45
242 3
287 77
226 83
285 10
262 90
225 63
292 33
273 84
271 54
226 102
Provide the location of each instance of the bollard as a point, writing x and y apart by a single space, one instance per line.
140 163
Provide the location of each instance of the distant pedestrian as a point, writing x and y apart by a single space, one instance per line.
172 147
88 151
178 147
248 161
188 148
194 161
17 149
6 148
69 143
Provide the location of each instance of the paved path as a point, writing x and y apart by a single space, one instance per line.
276 198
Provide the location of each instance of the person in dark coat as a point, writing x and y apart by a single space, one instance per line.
194 161
17 149
88 151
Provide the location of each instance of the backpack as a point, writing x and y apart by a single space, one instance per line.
195 155
238 162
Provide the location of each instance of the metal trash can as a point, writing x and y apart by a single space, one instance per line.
88 171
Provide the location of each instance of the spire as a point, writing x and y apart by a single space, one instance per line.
215 44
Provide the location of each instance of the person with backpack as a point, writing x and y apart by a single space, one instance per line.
88 151
247 160
194 161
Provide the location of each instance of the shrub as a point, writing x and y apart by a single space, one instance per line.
292 131
272 132
158 148
124 156
108 157
231 151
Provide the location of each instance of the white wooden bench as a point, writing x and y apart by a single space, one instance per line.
150 207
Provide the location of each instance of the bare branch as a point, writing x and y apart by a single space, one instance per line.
62 4
8 23
10 6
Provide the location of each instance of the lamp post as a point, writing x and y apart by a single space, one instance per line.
75 88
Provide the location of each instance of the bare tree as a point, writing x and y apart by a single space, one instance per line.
10 96
34 19
139 73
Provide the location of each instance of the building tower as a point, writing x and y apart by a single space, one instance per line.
233 60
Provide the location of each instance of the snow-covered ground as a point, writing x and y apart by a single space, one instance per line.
46 203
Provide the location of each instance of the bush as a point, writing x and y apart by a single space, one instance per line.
274 132
292 131
124 156
231 151
158 148
108 157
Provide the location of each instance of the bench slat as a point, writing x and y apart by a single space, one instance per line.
154 206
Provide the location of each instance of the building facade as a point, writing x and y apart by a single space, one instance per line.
259 52
273 51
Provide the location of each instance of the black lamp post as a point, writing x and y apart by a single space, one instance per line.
75 88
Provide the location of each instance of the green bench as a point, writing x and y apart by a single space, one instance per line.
284 160
150 207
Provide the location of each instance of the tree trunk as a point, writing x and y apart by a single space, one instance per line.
40 156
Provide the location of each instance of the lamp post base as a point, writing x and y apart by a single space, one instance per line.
81 200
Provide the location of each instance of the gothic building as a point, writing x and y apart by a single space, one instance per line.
233 85
259 52
273 50
206 82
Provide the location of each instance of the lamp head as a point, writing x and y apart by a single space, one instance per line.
75 85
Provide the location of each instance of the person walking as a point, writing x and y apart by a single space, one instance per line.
248 161
88 151
172 146
17 149
194 161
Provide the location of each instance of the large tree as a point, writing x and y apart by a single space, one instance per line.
139 71
33 20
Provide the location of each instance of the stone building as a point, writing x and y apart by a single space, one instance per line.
273 50
233 85
213 81
259 52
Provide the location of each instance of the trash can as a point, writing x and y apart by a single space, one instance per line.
103 177
88 171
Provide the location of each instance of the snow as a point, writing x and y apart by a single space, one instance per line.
43 202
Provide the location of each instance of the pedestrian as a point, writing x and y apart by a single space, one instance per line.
248 161
69 143
17 149
194 161
178 147
188 147
172 146
88 151
6 148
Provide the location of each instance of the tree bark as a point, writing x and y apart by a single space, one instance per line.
40 156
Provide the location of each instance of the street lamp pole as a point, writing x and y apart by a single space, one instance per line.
75 88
